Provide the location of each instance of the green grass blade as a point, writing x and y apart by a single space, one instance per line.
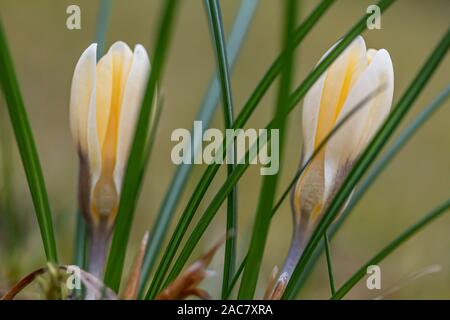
411 231
326 243
10 219
216 25
80 248
104 12
136 164
80 242
27 148
367 158
235 278
211 171
377 169
269 185
237 35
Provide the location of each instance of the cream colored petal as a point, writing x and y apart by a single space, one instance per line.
104 94
326 98
313 98
83 87
94 148
351 139
370 54
131 103
112 72
340 78
310 111
383 72
311 105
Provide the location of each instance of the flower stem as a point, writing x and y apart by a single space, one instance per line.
98 242
329 265
293 256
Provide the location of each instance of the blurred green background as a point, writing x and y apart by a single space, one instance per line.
45 53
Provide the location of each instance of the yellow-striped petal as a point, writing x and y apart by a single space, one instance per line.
351 139
340 78
112 73
323 102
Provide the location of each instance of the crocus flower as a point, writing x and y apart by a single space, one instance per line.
354 75
104 105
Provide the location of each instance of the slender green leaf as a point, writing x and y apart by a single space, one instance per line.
326 243
136 161
244 115
367 158
215 18
239 30
358 275
103 15
235 278
27 148
269 185
80 242
12 218
80 250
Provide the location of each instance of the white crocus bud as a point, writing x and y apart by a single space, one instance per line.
104 104
352 77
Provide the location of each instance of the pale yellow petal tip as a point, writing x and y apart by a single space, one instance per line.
90 51
384 55
360 40
139 47
119 46
141 52
370 54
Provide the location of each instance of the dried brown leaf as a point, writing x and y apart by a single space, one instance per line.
186 283
131 289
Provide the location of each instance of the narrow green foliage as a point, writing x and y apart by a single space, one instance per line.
104 12
27 148
80 242
329 262
215 18
379 257
136 161
269 185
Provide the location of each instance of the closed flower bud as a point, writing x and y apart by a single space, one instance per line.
104 105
